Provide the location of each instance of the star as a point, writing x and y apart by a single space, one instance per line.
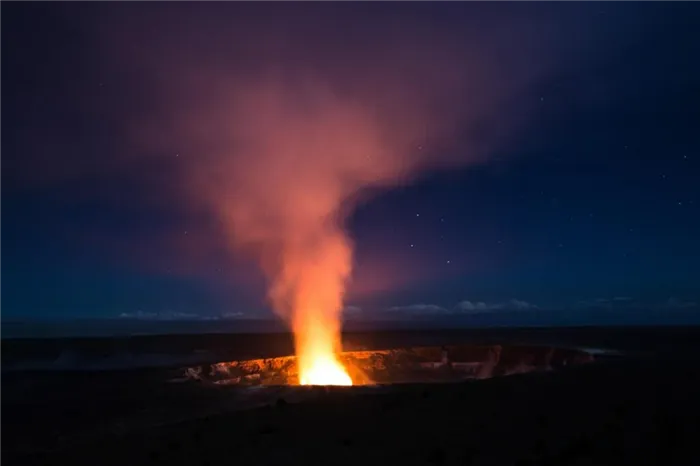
412 245
417 215
448 261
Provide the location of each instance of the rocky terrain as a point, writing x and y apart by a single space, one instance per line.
619 412
640 409
399 365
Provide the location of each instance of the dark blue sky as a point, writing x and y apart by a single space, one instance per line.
594 204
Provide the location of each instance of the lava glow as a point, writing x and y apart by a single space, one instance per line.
324 369
288 144
317 342
312 279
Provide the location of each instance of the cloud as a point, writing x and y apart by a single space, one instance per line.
472 306
621 303
420 309
480 306
616 302
138 315
622 299
463 307
349 309
518 304
167 315
677 303
184 316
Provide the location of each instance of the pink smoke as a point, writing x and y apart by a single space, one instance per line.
285 126
300 155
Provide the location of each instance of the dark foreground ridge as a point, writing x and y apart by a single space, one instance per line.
641 409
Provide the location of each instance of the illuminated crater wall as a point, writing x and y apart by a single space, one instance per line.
401 365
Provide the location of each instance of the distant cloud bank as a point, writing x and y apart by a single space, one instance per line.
462 308
626 302
676 303
480 306
169 316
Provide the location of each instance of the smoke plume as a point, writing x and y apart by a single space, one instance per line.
285 126
303 154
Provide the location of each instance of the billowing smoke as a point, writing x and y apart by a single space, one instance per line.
303 150
303 154
288 124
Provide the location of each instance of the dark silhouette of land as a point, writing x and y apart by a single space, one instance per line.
640 408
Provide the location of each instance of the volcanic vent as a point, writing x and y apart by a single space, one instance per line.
399 365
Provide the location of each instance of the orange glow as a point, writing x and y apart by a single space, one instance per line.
323 369
316 356
312 280
284 127
286 157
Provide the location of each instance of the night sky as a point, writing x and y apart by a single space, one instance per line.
585 195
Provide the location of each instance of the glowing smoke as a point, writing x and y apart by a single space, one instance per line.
288 124
304 155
